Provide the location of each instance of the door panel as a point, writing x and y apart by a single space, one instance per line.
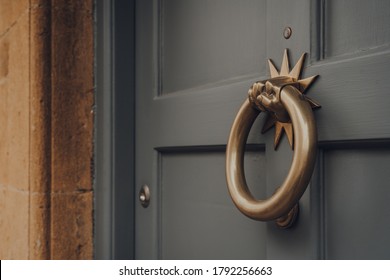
357 203
195 63
197 220
350 27
199 40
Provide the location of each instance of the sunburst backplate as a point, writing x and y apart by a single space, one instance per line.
304 84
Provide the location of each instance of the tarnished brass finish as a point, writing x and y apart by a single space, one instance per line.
282 98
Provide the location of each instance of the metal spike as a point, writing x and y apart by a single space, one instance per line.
296 72
278 134
305 83
279 129
313 104
285 65
288 128
274 72
269 123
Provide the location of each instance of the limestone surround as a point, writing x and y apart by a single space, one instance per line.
46 129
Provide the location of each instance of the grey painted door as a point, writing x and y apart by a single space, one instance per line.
195 61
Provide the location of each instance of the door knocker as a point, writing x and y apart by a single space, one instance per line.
290 111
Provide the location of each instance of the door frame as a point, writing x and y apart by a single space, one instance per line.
114 168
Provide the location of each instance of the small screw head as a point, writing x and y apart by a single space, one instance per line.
287 32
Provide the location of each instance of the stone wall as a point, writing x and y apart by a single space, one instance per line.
46 129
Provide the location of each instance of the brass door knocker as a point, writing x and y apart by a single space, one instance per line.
289 110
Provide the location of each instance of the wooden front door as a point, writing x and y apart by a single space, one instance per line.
195 61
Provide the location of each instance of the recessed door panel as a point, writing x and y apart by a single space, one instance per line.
352 26
197 220
199 40
357 194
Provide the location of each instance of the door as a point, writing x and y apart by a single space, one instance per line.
195 61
